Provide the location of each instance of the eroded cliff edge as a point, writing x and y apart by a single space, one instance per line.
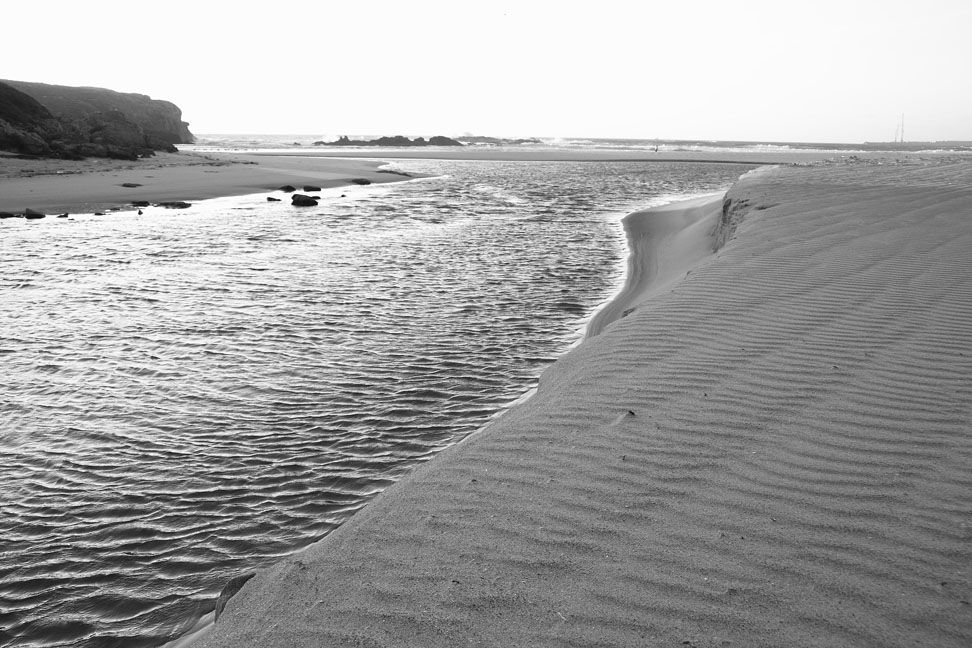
64 121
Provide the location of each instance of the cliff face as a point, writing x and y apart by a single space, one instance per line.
25 125
43 119
160 120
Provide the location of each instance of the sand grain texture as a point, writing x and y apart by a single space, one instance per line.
773 451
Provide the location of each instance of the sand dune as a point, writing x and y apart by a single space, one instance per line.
664 244
773 451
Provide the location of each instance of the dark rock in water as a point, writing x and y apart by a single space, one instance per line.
130 185
395 140
64 215
33 213
140 203
234 585
300 200
361 181
287 188
139 212
99 213
4 214
439 140
174 204
311 188
272 199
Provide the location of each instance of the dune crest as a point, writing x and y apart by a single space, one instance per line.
664 244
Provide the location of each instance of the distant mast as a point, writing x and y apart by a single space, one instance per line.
899 131
902 128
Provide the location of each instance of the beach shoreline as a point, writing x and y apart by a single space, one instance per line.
714 467
664 244
683 233
688 471
89 186
54 186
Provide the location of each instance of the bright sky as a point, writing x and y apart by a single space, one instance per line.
775 70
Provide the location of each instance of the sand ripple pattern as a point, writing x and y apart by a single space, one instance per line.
190 395
778 452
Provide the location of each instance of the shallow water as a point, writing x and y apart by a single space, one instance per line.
191 394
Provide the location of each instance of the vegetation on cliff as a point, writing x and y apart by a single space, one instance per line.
61 121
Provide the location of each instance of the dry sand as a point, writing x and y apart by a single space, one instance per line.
774 450
665 243
54 186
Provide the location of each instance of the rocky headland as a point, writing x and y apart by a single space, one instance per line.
45 120
396 140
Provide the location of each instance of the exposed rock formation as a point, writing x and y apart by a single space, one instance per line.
161 121
300 200
25 125
62 121
397 140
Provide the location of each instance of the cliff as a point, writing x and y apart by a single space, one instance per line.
160 120
64 121
25 125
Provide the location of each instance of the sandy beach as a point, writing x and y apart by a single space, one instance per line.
765 445
55 186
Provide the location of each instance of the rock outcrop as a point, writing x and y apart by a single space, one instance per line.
25 125
63 121
300 200
396 140
160 120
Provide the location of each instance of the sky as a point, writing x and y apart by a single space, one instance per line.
816 71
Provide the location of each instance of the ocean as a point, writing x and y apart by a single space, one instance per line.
191 395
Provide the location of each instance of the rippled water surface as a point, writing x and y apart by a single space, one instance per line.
188 395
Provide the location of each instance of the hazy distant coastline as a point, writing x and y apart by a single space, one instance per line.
296 140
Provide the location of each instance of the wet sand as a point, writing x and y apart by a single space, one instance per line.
55 186
773 449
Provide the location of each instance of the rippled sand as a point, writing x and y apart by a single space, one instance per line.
190 395
775 451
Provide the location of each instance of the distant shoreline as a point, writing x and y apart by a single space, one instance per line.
199 172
